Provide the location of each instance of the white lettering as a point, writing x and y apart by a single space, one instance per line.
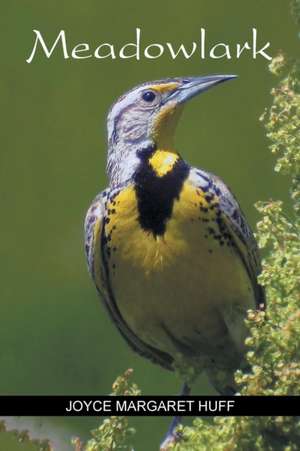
110 54
79 48
260 51
226 53
181 49
160 51
202 39
240 48
135 45
61 37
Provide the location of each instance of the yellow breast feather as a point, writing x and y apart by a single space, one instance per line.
163 161
131 243
128 241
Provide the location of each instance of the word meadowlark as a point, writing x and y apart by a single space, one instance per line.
167 244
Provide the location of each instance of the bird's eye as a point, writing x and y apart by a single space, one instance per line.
148 96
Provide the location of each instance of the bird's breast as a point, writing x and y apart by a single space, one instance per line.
171 287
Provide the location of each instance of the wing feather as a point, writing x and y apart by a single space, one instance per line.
97 264
237 226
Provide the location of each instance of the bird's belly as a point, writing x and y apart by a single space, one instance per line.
179 292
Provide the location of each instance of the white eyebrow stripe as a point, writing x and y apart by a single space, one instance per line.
117 110
123 102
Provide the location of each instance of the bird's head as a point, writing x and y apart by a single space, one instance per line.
147 115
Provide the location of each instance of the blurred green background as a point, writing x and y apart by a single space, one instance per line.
55 336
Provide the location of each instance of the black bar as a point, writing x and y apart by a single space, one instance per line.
149 405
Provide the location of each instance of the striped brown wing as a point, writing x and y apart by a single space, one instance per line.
95 242
242 236
236 226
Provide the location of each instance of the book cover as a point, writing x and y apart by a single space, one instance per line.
65 67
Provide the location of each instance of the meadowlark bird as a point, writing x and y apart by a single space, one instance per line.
167 244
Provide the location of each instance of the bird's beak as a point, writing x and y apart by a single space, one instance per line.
193 86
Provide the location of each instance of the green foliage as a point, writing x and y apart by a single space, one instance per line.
283 122
114 433
14 440
243 434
